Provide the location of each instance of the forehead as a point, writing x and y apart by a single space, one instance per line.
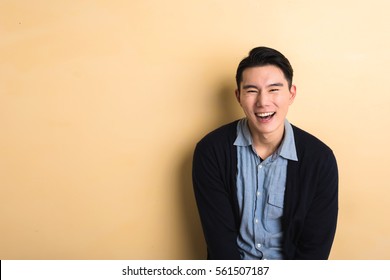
263 74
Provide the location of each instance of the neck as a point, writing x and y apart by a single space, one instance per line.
266 144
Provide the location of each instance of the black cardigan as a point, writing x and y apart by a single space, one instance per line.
310 204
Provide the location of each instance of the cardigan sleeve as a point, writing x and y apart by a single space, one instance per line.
319 225
214 203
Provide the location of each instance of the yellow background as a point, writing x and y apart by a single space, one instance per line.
102 102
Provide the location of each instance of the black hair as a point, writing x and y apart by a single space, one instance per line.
262 56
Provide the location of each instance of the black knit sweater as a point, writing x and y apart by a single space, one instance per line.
310 203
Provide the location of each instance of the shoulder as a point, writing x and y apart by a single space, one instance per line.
308 144
222 136
316 160
216 150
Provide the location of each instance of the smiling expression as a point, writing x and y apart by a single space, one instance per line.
265 97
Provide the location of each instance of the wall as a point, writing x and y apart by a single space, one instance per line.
102 102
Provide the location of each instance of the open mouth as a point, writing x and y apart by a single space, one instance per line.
265 116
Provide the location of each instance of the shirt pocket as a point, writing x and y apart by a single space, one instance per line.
274 212
275 205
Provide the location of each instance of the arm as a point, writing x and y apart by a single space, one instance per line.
214 204
319 226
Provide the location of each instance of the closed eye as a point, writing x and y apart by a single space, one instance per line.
275 87
251 91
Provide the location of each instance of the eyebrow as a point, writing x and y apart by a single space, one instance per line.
275 85
249 86
270 85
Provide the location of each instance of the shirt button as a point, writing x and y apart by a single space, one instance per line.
258 245
256 221
260 166
258 193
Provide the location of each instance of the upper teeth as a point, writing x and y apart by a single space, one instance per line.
264 114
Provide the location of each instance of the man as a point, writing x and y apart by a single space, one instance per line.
265 189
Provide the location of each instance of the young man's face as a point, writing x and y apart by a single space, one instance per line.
265 97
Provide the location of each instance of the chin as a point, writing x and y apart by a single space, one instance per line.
267 128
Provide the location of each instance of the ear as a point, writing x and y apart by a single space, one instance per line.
293 93
237 92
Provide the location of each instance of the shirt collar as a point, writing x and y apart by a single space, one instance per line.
244 137
286 149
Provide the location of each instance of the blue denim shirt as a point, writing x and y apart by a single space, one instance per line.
260 193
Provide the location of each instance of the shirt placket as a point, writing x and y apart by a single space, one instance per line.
259 239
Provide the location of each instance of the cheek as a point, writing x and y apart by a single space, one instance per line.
245 102
250 99
283 102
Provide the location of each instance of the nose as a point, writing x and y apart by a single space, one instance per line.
262 100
